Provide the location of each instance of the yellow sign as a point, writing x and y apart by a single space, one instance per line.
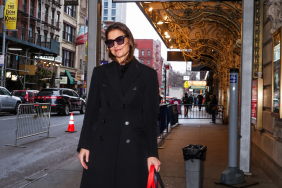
10 14
29 68
186 84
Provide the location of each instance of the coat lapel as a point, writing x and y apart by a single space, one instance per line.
130 75
113 77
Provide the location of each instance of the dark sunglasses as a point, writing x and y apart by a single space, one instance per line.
119 40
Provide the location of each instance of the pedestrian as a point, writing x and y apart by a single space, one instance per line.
213 106
185 101
118 141
191 101
200 101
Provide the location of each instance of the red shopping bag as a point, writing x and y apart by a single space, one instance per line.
154 179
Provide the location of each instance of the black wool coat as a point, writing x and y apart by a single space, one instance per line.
120 126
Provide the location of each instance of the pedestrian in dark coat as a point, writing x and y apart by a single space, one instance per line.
118 141
200 101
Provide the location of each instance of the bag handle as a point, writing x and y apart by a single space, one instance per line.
151 178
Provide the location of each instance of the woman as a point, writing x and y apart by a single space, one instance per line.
186 103
118 141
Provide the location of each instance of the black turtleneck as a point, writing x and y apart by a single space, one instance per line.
122 69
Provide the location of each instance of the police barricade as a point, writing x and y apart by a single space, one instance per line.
168 117
189 111
32 119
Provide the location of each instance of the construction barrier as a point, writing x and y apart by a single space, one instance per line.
190 111
32 119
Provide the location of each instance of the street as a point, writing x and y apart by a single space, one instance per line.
40 153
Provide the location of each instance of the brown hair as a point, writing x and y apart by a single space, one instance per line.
122 27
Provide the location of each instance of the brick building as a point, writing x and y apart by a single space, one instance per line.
150 55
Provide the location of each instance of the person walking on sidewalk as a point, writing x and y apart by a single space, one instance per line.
185 101
213 106
200 101
118 141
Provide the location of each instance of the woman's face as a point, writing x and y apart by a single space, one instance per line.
119 51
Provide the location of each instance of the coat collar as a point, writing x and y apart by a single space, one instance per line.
120 87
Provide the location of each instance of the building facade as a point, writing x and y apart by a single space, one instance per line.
113 11
34 46
150 55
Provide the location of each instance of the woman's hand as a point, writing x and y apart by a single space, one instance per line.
83 153
154 161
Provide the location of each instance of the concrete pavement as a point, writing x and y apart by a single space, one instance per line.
214 136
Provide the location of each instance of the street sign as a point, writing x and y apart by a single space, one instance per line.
186 84
166 67
1 60
186 77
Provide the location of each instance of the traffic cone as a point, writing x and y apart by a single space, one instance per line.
71 125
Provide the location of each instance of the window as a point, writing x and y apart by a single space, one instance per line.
80 66
105 18
142 61
113 19
113 12
3 91
70 10
148 62
68 32
276 73
142 53
114 5
68 58
105 12
106 5
149 53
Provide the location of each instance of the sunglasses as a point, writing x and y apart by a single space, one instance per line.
119 40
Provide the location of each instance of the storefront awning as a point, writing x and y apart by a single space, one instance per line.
198 87
69 75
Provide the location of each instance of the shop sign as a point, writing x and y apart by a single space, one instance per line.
254 101
30 70
10 14
198 87
50 58
186 84
63 80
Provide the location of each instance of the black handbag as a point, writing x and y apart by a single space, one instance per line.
154 179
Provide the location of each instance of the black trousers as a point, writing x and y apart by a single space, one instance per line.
213 115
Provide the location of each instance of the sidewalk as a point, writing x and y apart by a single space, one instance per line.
214 136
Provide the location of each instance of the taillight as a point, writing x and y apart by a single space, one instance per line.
55 97
37 97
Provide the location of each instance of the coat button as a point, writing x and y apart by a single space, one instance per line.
104 120
135 88
104 85
124 106
108 104
127 141
100 138
126 123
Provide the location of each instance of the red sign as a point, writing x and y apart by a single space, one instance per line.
166 67
254 100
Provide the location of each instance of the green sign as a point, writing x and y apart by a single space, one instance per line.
198 87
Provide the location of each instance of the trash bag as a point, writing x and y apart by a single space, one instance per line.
194 152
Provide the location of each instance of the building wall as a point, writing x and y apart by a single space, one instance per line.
156 62
267 144
113 11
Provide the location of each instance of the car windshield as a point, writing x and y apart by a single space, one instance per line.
48 92
19 93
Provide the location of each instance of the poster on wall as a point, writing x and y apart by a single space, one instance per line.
254 101
10 14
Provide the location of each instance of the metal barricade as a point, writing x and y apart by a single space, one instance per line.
189 111
32 119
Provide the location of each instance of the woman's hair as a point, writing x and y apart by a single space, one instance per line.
122 27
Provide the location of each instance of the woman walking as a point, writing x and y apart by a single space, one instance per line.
118 141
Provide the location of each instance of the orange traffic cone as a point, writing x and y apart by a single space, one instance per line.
71 125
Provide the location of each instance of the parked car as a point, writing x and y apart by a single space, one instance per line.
62 100
27 96
8 103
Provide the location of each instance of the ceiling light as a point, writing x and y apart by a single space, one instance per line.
15 49
160 22
166 33
167 36
147 2
171 47
50 63
169 40
44 62
151 8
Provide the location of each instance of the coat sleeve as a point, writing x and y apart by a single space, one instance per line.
91 114
150 113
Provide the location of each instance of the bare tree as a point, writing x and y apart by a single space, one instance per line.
175 79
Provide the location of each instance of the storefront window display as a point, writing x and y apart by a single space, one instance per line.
276 76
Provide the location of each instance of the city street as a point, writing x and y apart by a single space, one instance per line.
40 153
